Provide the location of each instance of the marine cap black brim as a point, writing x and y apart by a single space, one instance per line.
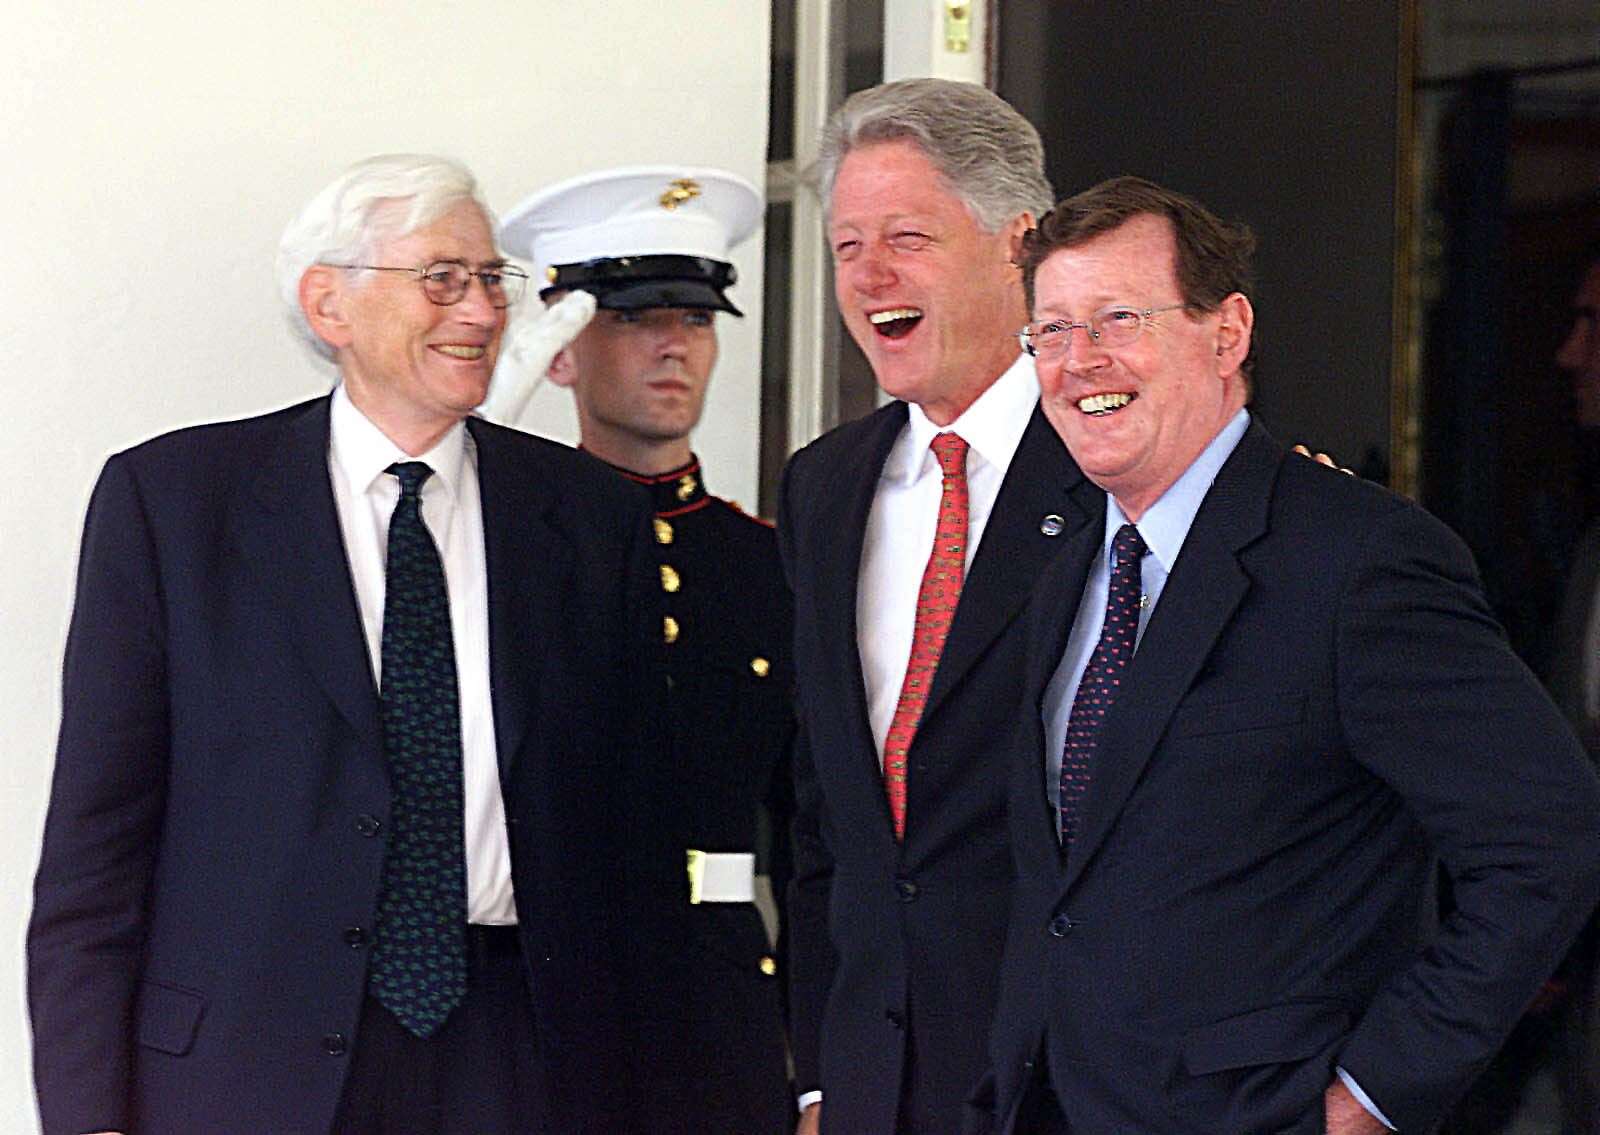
635 282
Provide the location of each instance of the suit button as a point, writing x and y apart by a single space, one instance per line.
906 889
895 1017
368 825
334 1044
768 965
355 937
1060 925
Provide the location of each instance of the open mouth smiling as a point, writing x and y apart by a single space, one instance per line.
1100 405
896 322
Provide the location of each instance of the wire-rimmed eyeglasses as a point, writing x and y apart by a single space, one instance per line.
445 282
1110 327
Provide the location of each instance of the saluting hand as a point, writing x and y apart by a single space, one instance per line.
531 341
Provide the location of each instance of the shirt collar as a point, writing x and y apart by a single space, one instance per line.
363 453
992 426
1165 525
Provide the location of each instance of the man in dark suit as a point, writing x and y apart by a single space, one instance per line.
649 246
337 831
901 864
1263 702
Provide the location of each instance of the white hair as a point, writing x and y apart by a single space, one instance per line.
345 223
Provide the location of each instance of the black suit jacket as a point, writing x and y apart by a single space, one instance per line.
215 834
1321 703
895 947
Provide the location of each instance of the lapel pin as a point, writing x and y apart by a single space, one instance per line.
1052 525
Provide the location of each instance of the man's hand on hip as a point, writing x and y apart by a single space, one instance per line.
1344 1114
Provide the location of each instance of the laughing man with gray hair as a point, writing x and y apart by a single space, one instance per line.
912 538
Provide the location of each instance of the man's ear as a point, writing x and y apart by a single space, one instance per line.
1233 332
322 295
1019 227
563 368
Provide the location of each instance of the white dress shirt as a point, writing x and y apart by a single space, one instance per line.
905 515
358 456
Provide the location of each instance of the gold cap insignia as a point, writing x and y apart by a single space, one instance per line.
679 191
550 274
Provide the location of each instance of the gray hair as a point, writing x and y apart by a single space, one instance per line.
345 223
990 155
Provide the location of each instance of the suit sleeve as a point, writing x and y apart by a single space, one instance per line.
1433 702
810 949
106 804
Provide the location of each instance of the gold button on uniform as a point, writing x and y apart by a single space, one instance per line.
669 628
663 531
760 667
669 579
769 965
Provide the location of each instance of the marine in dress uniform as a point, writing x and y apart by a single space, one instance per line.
651 246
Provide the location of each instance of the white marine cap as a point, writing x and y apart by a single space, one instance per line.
640 236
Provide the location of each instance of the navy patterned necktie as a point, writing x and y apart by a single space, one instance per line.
1102 677
418 967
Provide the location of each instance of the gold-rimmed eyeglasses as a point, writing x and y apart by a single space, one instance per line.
1110 327
445 282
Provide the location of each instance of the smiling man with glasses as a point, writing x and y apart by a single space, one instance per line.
1264 705
350 699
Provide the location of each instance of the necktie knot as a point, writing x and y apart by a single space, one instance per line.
951 451
1128 544
411 475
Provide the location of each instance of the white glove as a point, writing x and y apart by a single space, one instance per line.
531 342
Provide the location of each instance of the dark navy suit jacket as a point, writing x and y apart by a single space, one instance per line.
895 946
217 820
1321 710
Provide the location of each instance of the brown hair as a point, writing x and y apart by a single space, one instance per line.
1213 255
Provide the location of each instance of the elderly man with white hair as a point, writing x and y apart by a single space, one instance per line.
340 804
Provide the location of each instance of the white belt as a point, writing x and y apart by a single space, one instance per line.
721 876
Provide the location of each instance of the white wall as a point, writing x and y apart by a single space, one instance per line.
153 153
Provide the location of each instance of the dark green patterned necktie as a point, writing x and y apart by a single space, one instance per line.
419 965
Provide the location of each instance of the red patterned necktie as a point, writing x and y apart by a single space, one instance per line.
1102 677
936 607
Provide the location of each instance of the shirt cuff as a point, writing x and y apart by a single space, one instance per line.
809 1098
1361 1098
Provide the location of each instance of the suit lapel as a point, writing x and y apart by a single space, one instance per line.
841 527
1049 622
1204 589
1043 481
528 562
296 542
